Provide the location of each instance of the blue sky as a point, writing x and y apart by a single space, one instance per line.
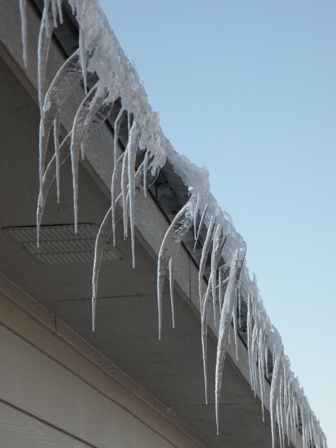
248 89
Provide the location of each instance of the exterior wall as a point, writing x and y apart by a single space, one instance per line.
53 395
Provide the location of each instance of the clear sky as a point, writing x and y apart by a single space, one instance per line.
248 89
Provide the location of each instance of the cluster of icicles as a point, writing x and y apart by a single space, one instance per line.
229 282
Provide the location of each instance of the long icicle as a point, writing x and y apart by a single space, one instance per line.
84 115
23 15
225 322
124 188
204 333
275 385
217 246
200 226
104 233
117 164
102 237
235 324
60 89
134 142
57 127
44 41
48 178
179 227
204 256
172 263
60 11
199 198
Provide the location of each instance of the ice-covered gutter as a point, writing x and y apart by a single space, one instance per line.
229 285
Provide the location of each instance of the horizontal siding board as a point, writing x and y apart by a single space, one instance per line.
21 430
47 361
41 387
66 348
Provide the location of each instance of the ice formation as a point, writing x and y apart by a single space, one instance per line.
228 283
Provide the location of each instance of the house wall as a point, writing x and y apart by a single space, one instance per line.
52 395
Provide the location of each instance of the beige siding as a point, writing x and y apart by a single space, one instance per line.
51 395
21 430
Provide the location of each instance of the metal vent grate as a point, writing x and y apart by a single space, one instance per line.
60 244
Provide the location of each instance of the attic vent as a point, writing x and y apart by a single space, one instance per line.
60 244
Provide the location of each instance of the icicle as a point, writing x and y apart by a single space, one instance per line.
23 15
60 89
145 169
293 408
116 168
54 12
220 287
215 255
124 189
261 370
204 256
157 155
280 410
276 377
200 225
60 11
44 41
239 305
196 215
57 156
263 335
83 58
278 418
254 355
132 149
223 289
174 235
235 328
103 113
249 332
102 237
254 342
115 179
289 415
172 262
48 178
285 395
85 113
204 332
225 322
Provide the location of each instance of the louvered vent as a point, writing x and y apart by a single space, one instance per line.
60 244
